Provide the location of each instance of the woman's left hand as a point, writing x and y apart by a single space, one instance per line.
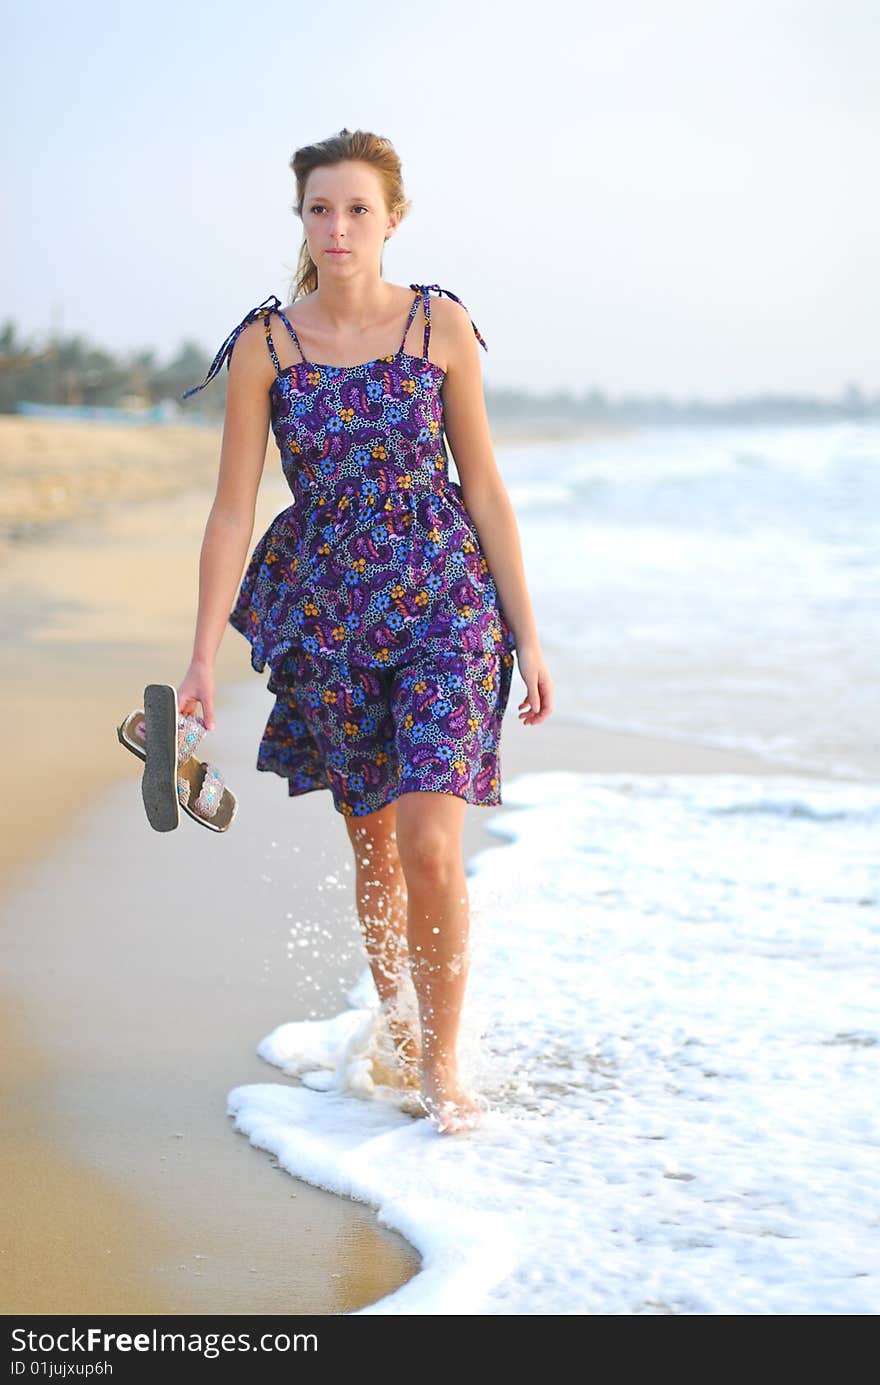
534 672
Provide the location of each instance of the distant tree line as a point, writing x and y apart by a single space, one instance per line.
70 370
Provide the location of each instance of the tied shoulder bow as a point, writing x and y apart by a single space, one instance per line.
268 305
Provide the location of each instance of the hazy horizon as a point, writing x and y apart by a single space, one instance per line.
674 200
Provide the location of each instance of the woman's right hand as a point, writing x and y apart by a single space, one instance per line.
537 704
198 687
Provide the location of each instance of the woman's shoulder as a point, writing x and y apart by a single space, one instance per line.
448 311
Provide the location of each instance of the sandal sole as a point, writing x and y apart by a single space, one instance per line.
159 783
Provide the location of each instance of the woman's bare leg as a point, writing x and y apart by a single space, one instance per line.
380 889
429 832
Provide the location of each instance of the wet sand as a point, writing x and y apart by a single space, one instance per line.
143 968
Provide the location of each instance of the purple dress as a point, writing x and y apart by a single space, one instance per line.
369 596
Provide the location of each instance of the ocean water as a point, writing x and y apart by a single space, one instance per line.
672 1012
718 585
672 1008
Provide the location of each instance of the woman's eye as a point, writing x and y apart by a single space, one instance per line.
358 208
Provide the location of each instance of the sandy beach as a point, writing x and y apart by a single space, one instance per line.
127 1190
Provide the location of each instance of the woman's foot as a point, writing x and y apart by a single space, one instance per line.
407 1048
449 1106
405 1043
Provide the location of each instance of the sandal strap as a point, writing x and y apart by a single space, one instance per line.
183 789
190 731
211 792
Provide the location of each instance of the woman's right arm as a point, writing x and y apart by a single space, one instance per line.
230 524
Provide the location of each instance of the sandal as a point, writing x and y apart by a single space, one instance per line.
174 778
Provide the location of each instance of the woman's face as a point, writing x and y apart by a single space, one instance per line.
344 209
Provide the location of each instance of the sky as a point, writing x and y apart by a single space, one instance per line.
651 198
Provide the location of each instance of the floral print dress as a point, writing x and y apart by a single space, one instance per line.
369 596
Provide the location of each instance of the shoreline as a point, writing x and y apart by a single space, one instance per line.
129 1195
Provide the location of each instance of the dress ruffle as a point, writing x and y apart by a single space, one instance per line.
303 590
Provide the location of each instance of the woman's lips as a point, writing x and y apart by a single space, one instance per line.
338 252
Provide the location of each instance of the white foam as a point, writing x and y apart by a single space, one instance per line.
672 1010
720 584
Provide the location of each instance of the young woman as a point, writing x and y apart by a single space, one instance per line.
387 599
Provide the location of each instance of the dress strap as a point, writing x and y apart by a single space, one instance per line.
294 337
412 312
269 305
425 290
267 320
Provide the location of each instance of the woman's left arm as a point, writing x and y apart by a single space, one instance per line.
487 502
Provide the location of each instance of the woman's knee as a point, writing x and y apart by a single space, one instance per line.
429 839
